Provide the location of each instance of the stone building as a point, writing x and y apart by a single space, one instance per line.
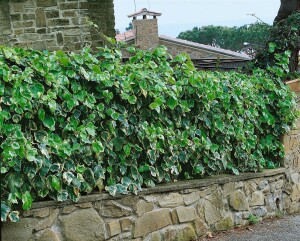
55 24
145 36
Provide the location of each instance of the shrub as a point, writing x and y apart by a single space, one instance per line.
73 123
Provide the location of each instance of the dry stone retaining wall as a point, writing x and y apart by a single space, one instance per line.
175 211
182 210
55 24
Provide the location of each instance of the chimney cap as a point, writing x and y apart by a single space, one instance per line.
144 12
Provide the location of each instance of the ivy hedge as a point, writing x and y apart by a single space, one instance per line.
75 123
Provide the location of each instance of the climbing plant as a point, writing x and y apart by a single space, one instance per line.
73 123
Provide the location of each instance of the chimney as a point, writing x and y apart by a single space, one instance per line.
145 29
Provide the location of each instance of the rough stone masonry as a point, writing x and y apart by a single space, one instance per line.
55 24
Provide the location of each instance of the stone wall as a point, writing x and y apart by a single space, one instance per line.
55 24
182 210
292 153
175 211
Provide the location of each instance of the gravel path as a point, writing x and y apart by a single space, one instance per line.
284 229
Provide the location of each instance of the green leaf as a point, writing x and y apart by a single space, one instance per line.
41 136
4 211
36 90
64 61
26 200
132 99
272 47
41 114
172 103
15 145
49 122
98 147
55 183
157 103
14 216
235 171
127 149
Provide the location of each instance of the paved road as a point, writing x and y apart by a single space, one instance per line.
284 229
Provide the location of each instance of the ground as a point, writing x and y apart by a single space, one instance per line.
283 229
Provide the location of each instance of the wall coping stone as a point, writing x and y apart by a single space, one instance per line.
294 85
169 187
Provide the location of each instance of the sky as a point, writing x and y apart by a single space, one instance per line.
181 15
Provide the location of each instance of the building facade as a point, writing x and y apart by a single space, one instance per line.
145 36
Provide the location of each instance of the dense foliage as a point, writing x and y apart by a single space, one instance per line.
284 36
73 123
251 37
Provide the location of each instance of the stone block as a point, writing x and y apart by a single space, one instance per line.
225 224
46 3
205 191
68 209
181 233
186 214
228 188
84 205
143 207
29 17
259 211
58 22
52 14
129 201
238 217
48 221
7 32
250 187
201 227
84 224
49 235
112 209
152 221
41 30
286 201
68 5
16 17
18 7
29 30
238 201
126 224
295 177
238 185
257 199
69 13
155 236
41 213
207 211
27 24
21 231
171 201
174 217
262 184
295 195
114 228
40 17
191 198
216 198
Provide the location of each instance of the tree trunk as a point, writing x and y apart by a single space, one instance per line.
287 7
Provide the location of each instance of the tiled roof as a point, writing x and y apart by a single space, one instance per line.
129 35
125 36
204 47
